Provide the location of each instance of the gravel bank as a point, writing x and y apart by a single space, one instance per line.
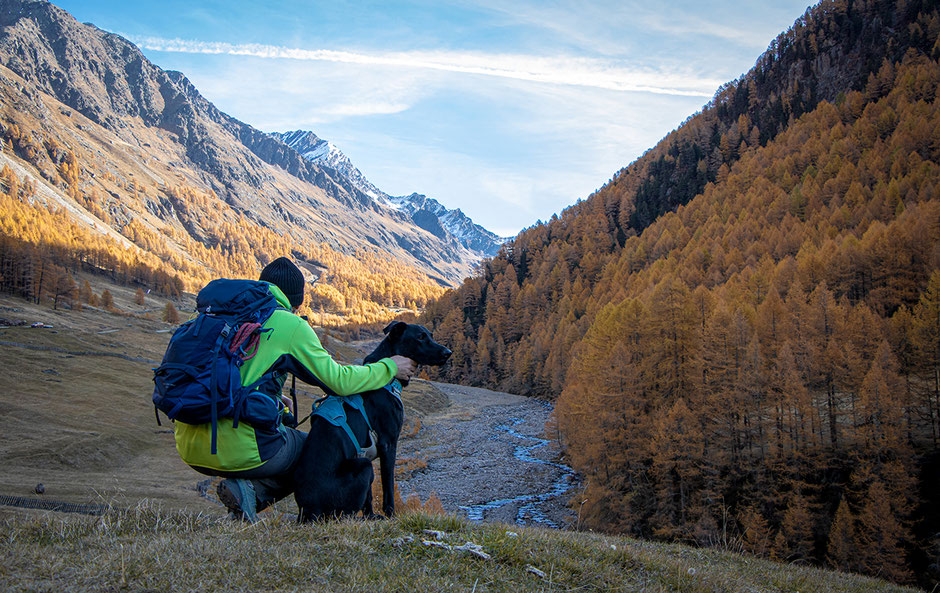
488 458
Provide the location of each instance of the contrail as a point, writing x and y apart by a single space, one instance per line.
566 71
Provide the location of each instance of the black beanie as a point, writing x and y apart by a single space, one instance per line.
285 275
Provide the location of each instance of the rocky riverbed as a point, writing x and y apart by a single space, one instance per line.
488 458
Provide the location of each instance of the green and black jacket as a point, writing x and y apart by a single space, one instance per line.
288 345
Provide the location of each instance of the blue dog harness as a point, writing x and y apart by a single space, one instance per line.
394 388
331 408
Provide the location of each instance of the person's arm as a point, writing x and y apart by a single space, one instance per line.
305 348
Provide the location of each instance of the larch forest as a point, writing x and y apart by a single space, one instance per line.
741 330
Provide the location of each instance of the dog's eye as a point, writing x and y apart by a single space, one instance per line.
422 337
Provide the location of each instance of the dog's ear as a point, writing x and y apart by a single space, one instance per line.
395 329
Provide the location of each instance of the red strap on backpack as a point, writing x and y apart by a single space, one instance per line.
246 340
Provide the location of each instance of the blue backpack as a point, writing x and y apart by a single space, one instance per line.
199 380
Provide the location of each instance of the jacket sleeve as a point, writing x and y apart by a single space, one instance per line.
305 348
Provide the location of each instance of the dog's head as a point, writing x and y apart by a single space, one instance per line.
415 342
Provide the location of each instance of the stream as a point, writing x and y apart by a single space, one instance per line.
488 459
529 505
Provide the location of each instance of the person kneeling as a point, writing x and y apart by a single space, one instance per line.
258 462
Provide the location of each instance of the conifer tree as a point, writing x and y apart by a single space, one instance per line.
86 292
107 301
880 537
757 537
841 552
170 314
926 339
881 429
677 461
794 540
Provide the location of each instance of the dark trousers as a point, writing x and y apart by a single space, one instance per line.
274 479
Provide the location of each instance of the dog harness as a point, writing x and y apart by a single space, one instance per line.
331 409
394 388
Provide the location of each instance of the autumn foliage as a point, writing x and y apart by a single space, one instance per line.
197 237
754 365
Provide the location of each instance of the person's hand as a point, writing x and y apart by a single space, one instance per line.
288 404
406 367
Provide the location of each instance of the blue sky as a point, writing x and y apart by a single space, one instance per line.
510 111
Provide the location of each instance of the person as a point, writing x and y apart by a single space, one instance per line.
258 464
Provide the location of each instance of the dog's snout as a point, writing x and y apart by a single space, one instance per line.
445 353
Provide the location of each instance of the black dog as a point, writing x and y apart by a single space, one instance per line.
331 479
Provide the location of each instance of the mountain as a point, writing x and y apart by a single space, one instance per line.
149 156
432 216
837 52
318 150
425 212
740 329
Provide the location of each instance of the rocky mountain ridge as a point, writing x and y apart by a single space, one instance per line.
427 213
171 135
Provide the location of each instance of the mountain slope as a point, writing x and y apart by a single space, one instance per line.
831 45
120 115
753 354
426 212
431 215
402 555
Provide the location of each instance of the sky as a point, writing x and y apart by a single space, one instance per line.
510 111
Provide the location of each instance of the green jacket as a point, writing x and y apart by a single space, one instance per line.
292 346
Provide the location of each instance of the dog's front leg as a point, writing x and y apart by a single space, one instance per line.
387 455
367 511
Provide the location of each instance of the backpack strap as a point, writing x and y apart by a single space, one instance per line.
293 394
214 388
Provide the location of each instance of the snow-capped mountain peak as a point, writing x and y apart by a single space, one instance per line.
320 151
425 212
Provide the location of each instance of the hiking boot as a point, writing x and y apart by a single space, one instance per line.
238 496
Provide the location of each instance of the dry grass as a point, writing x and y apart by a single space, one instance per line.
149 548
411 428
76 409
405 466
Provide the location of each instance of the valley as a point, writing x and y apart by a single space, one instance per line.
76 417
81 423
733 343
488 459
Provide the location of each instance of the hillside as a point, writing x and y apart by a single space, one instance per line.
130 165
76 407
744 338
150 548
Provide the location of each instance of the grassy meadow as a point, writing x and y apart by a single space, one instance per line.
149 548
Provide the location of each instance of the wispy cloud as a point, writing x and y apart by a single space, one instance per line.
603 26
584 72
364 108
